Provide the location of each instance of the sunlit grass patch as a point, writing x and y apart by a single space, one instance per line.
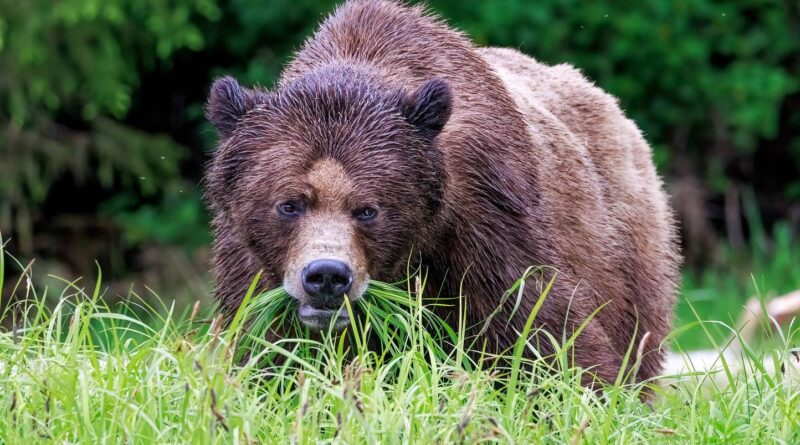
386 317
83 372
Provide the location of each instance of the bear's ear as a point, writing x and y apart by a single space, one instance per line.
228 102
429 108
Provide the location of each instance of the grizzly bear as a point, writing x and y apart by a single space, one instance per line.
391 138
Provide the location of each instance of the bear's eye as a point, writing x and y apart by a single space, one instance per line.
365 213
290 208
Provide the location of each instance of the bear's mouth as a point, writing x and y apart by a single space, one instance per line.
320 319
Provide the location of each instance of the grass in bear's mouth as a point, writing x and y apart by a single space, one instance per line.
384 314
80 371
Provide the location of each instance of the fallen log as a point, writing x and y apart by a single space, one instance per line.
721 365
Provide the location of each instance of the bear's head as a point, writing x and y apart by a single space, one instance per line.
330 180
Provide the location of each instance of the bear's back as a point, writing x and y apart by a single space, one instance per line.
617 231
540 163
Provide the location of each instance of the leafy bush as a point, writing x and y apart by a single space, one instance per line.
70 72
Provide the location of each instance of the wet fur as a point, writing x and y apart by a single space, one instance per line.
534 166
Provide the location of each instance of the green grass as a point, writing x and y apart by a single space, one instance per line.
83 372
765 269
385 311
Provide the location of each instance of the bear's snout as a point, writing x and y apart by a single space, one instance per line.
325 265
326 282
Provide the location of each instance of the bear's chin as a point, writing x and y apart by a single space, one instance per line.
323 319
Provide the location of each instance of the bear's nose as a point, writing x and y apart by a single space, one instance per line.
326 282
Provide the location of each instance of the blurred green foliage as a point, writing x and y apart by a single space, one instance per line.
719 291
70 73
85 56
101 100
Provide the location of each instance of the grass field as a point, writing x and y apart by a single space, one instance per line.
766 269
83 372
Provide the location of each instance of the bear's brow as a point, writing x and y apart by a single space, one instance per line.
330 183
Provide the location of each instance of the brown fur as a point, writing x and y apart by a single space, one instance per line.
535 166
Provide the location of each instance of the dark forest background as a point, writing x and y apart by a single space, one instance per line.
103 140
